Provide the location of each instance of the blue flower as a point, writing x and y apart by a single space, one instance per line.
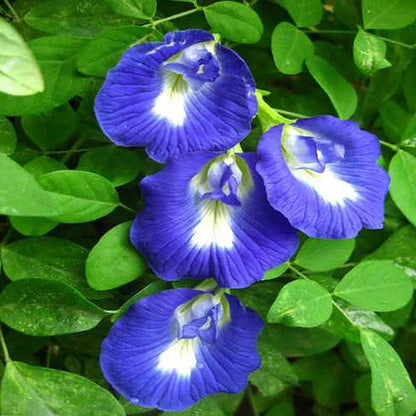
322 174
174 348
207 216
185 94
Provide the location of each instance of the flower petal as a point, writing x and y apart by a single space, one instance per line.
144 362
348 195
183 237
143 104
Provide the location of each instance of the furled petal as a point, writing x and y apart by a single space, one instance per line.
198 225
337 202
147 360
185 94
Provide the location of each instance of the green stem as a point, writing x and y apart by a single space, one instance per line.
343 313
13 11
353 32
63 152
269 116
49 355
291 113
174 16
7 236
4 346
296 271
303 276
127 208
390 146
330 32
70 151
396 42
236 149
252 402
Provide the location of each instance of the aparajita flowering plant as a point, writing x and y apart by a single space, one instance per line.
208 207
214 211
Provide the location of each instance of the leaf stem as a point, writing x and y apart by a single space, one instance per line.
330 32
296 271
70 151
291 113
127 208
62 152
13 11
353 32
7 236
396 42
390 146
4 346
299 273
252 402
49 355
174 16
267 115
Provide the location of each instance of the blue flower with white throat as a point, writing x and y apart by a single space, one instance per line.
322 174
176 347
206 215
185 94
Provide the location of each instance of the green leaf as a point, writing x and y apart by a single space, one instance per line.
394 120
301 303
49 131
151 289
275 272
388 14
32 226
56 58
369 53
321 255
402 172
142 9
43 164
46 258
83 18
392 391
409 86
347 12
340 92
275 373
290 48
376 285
300 342
234 21
330 377
20 194
20 74
304 12
39 391
46 307
7 136
118 165
103 52
80 196
113 261
347 324
398 247
409 134
206 407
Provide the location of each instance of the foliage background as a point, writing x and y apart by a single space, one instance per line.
68 196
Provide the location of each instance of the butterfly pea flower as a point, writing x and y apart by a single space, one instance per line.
206 215
173 348
322 174
187 93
